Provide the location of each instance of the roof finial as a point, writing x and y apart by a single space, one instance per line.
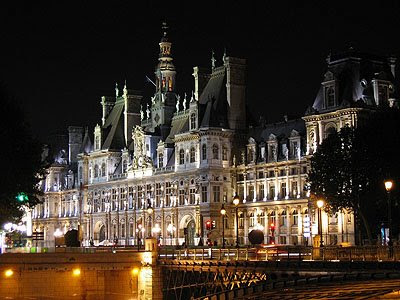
212 60
116 89
125 89
184 102
224 56
141 113
164 28
192 99
177 103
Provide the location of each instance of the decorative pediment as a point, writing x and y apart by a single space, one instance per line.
272 137
328 76
294 133
251 141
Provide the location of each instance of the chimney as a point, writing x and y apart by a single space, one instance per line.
201 78
75 134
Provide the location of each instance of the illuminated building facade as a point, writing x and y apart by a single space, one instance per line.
185 156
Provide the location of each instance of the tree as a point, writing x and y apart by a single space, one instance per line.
349 167
21 162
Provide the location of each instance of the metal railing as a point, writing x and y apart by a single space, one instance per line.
360 253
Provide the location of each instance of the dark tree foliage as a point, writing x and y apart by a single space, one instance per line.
350 166
71 238
21 161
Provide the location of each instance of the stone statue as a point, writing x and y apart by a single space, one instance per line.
234 160
148 112
141 113
184 103
177 103
212 60
243 156
287 154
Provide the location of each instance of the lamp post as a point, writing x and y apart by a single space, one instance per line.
388 187
236 201
320 204
223 213
150 212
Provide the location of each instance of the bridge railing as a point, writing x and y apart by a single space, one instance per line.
359 253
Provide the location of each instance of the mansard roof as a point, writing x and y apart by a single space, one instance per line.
179 124
352 72
213 101
282 130
113 128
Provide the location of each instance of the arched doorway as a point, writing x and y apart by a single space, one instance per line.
102 233
190 233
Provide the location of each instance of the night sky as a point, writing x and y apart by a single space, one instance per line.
59 59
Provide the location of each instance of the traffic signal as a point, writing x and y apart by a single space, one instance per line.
208 224
22 197
213 224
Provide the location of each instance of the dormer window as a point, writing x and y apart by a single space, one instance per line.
204 152
103 169
330 96
181 157
193 121
160 160
215 151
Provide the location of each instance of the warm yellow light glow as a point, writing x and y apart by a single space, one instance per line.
76 272
320 203
388 185
223 210
8 273
236 200
150 211
135 271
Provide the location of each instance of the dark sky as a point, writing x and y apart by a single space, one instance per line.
59 59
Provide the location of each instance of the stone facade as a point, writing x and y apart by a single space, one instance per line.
185 156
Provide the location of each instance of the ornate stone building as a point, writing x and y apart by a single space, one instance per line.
186 156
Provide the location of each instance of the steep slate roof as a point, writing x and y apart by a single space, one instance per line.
114 128
282 130
179 124
213 101
348 69
87 145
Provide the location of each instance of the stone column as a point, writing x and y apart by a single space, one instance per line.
244 187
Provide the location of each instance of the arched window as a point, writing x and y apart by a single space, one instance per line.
330 97
97 143
193 121
204 152
96 171
283 218
160 160
215 151
224 153
329 130
192 155
103 169
251 155
181 157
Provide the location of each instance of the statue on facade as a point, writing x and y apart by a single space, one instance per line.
212 60
141 113
177 103
184 102
148 112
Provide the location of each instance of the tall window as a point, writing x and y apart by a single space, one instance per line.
204 152
192 196
168 191
250 195
193 121
96 171
103 169
122 230
192 155
181 157
283 218
217 193
294 188
251 220
271 191
251 155
215 151
283 189
261 191
224 153
158 194
241 220
261 218
160 160
97 143
330 96
131 229
295 217
204 194
124 167
181 197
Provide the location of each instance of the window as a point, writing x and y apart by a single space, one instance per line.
283 218
103 169
80 173
224 153
204 194
192 155
158 194
215 151
97 143
160 160
282 172
131 229
216 193
250 195
204 152
241 220
293 171
382 93
271 174
282 240
295 217
252 223
260 174
251 155
96 171
181 197
168 191
181 157
122 230
330 97
333 219
130 197
294 188
124 167
271 191
193 121
283 189
261 191
261 218
192 196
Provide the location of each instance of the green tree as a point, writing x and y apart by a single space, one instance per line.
22 167
349 167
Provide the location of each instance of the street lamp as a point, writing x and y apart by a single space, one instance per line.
320 204
236 201
388 187
223 213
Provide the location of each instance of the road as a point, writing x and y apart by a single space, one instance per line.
370 289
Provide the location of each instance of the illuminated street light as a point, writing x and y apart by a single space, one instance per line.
135 271
223 213
8 273
388 187
320 204
76 272
236 201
